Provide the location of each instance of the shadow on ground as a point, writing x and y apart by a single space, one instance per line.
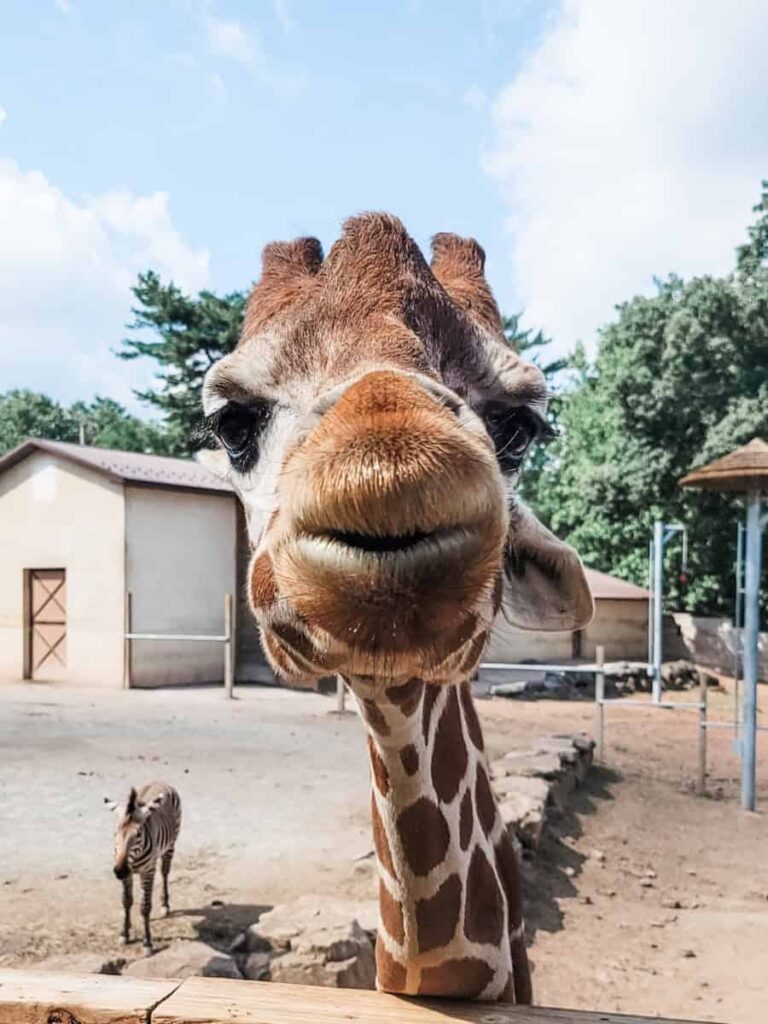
552 873
219 923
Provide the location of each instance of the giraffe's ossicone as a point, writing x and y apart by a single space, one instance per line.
374 419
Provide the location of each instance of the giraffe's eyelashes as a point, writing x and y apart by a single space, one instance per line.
239 429
512 432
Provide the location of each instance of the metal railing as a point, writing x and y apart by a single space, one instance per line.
227 638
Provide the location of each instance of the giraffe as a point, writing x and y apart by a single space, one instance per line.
373 420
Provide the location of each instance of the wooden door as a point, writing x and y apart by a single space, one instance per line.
46 608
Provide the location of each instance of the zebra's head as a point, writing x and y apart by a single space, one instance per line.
130 832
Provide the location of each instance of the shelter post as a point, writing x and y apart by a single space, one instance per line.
753 562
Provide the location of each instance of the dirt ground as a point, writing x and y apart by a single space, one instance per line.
644 897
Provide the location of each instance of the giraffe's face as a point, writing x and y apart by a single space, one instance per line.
374 421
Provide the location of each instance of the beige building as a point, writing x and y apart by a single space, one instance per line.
620 625
80 528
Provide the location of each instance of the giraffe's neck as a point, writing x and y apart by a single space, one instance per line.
449 885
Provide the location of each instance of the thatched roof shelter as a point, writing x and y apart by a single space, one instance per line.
742 470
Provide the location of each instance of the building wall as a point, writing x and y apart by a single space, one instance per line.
620 626
180 562
55 515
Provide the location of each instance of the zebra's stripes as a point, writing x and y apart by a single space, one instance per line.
146 831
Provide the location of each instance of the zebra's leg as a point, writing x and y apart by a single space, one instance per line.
166 868
127 904
147 881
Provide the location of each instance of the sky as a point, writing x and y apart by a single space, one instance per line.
589 145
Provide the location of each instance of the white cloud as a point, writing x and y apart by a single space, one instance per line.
64 6
631 144
3 115
66 269
230 39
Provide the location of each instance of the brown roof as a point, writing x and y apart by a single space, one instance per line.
611 588
125 467
745 469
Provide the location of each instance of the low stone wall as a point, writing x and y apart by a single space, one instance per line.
709 641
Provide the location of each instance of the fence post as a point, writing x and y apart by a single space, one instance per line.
229 661
600 701
341 696
701 784
127 619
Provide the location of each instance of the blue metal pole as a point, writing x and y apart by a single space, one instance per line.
658 605
753 560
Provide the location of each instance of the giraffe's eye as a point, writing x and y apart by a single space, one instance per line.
512 431
239 428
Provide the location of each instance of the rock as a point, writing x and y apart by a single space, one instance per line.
689 954
317 940
568 871
307 969
82 963
646 883
536 788
544 764
185 959
257 967
597 855
524 816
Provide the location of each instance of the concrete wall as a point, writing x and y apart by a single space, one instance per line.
56 515
181 560
709 641
620 626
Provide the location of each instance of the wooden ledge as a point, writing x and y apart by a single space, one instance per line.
37 997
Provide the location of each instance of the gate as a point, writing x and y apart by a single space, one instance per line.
45 656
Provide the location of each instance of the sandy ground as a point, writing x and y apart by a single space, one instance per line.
644 898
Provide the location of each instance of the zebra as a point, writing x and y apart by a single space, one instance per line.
147 829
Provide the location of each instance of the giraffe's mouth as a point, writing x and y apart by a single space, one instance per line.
378 543
385 551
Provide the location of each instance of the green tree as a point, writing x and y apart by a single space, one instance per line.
679 378
103 422
184 336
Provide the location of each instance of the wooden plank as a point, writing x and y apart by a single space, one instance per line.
209 1001
43 997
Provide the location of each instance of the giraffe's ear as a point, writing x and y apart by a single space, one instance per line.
545 587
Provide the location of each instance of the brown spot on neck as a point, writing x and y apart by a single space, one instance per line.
391 913
470 716
484 907
485 801
449 753
391 976
407 696
437 917
465 820
409 758
431 693
380 841
424 834
462 978
378 769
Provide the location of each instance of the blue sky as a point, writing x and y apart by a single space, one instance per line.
185 135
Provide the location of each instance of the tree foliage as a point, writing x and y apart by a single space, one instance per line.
102 422
184 336
679 378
